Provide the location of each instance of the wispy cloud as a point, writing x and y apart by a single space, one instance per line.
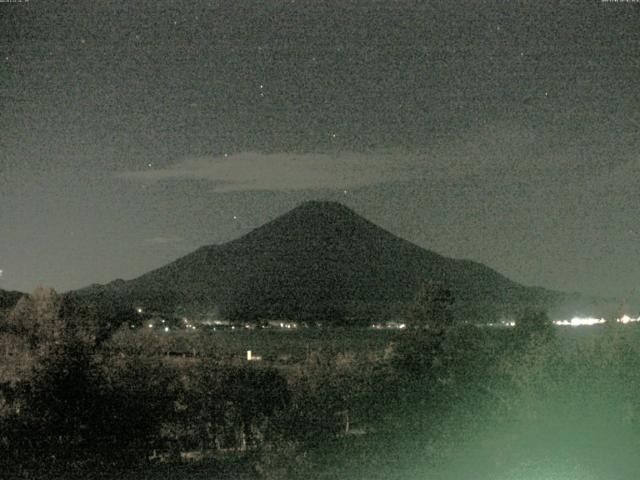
284 171
493 154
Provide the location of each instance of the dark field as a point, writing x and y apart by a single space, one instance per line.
290 346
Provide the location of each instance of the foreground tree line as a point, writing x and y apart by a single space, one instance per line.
73 403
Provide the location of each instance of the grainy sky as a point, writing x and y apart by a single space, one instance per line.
505 132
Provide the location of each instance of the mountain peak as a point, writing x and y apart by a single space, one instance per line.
323 204
323 207
312 219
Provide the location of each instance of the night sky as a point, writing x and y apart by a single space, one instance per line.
133 132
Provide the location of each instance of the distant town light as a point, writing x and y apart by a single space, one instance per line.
139 309
151 325
627 319
166 329
579 321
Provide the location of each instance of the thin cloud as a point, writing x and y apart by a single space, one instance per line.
283 171
493 154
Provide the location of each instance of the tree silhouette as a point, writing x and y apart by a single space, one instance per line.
533 324
432 307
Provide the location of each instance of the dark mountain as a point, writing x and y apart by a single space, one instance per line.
318 261
8 299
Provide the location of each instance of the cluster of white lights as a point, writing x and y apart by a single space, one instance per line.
580 321
187 324
627 319
574 322
501 323
389 326
288 325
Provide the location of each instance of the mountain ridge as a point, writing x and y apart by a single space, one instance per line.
321 260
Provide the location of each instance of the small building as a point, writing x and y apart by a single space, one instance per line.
253 358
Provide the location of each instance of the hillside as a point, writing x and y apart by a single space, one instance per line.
319 261
9 298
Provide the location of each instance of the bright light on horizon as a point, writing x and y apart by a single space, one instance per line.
588 321
627 319
580 321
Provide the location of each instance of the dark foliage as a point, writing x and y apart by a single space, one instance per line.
73 416
8 299
532 325
432 308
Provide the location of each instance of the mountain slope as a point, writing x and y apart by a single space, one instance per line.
319 261
9 298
